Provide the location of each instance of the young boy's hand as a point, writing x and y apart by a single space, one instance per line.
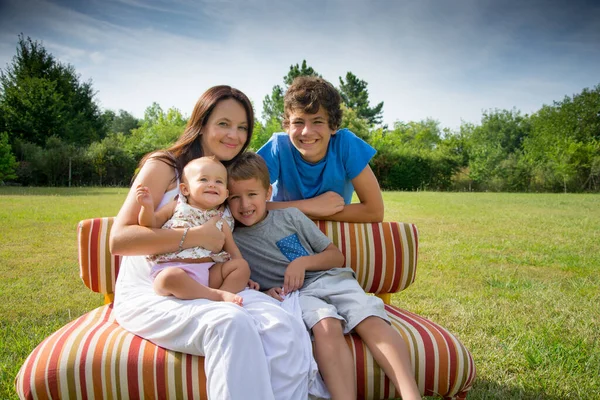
253 285
294 275
143 197
276 293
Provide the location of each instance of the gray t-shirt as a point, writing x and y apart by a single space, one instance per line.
273 243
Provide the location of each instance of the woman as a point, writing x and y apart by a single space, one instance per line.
249 351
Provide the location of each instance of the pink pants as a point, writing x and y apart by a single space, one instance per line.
197 271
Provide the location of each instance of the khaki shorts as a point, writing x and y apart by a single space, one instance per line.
337 294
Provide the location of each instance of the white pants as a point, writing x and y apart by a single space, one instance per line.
250 351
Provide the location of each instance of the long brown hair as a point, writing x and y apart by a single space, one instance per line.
188 146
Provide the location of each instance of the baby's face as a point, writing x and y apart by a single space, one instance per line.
205 183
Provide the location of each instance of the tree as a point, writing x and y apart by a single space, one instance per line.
121 122
158 130
499 138
41 97
273 104
563 148
8 163
356 96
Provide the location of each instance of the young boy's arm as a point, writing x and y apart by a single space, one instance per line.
329 258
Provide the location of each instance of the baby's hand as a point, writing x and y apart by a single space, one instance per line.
276 293
253 285
143 197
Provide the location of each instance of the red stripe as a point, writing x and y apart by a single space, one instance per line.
28 367
416 233
132 367
188 376
84 352
161 384
378 270
93 254
399 258
360 366
427 345
343 244
53 358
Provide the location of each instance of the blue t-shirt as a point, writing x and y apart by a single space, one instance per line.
294 178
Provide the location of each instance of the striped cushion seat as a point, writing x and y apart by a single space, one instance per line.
94 358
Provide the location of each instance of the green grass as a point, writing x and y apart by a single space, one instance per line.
514 276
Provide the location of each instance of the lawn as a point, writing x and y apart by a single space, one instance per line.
514 276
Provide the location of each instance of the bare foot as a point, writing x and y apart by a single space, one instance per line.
232 298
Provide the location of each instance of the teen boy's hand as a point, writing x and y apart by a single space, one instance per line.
324 205
294 275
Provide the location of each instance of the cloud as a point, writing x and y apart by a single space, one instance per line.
446 60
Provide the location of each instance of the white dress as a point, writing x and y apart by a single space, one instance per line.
251 352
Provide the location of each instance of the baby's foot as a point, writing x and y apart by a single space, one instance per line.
233 298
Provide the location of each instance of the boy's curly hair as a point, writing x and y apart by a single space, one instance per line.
307 94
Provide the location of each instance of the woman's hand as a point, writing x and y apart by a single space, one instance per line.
276 293
207 235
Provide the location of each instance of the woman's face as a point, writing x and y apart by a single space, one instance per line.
226 130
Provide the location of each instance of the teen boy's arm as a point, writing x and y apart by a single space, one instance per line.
330 205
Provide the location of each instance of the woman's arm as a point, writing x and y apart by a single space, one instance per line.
129 238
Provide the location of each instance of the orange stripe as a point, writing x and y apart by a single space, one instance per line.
82 239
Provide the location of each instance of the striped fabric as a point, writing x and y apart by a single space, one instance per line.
94 358
97 267
383 255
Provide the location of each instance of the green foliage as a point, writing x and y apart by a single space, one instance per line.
8 163
356 96
273 104
421 135
158 130
495 148
351 120
41 97
563 149
263 133
122 121
113 165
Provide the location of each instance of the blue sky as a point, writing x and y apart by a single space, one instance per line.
449 60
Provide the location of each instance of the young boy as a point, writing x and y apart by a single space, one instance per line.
314 166
286 252
196 272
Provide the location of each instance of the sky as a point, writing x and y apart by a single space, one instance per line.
450 60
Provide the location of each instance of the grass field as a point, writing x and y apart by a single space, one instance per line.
515 276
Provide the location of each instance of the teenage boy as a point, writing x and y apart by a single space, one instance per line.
287 252
314 166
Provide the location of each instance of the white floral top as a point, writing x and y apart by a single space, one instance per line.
186 215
